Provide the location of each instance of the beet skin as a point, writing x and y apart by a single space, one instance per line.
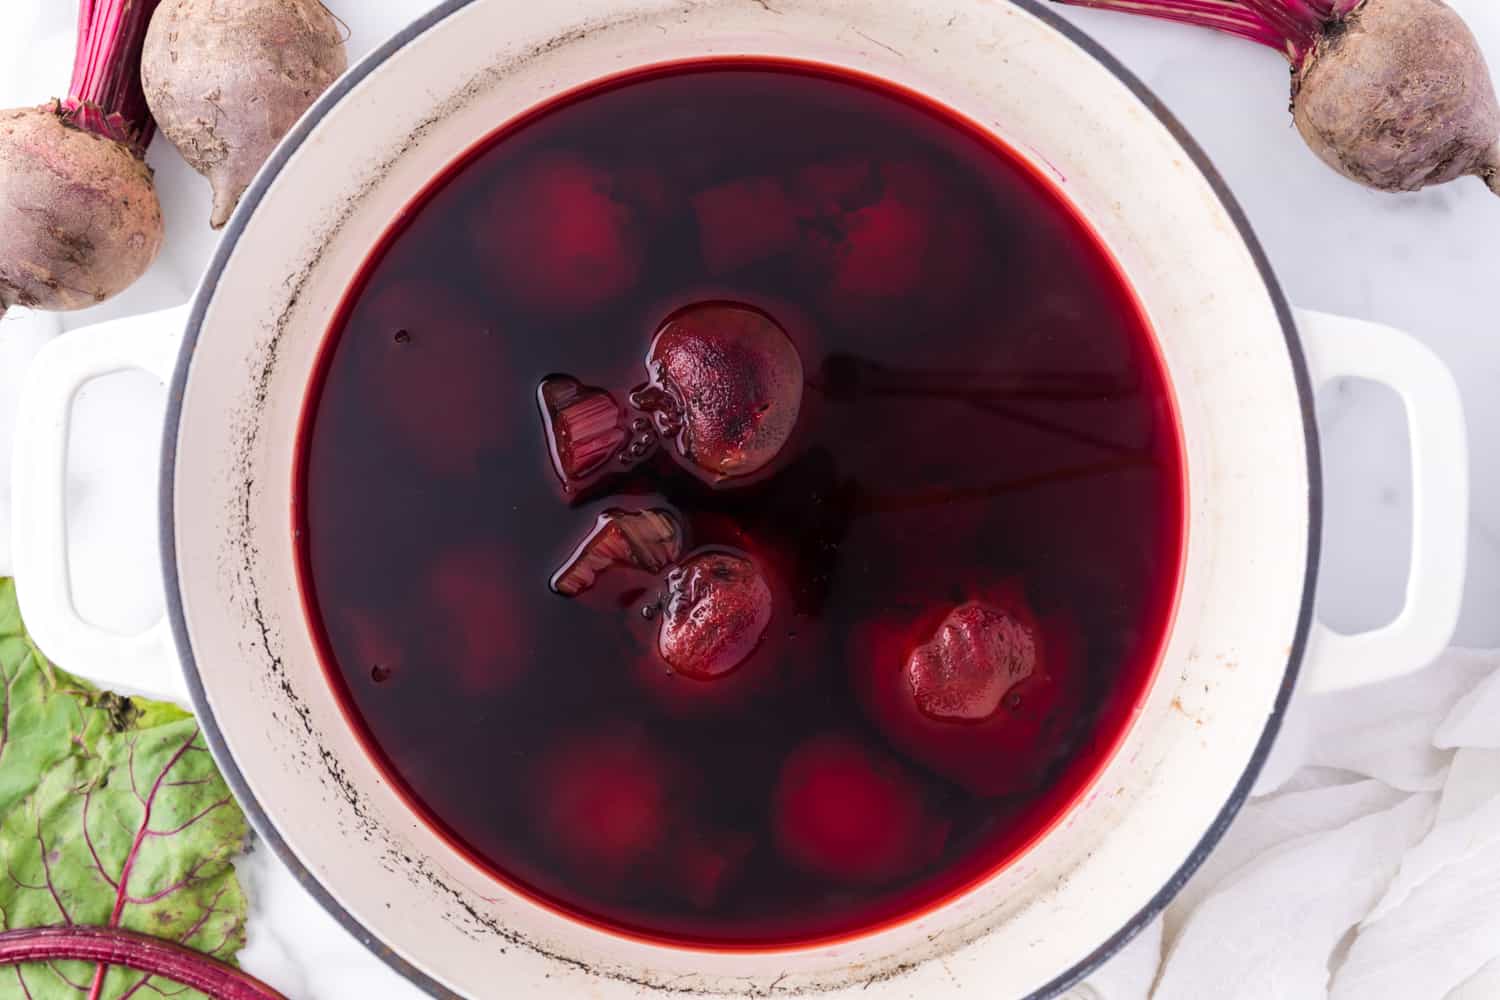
227 80
78 212
1400 98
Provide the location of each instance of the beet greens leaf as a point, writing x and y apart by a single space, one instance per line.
112 814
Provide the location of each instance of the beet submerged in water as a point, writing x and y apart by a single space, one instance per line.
615 807
732 383
602 801
874 233
711 643
436 345
844 812
471 605
717 608
725 389
647 541
558 236
976 691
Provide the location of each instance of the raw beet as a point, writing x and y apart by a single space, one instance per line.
438 346
734 383
558 237
471 601
1394 94
1399 97
227 81
602 801
79 212
977 691
843 812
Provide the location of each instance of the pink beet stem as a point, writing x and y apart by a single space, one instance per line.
1292 27
149 955
105 95
1224 15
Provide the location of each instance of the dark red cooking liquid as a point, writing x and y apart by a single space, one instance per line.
984 412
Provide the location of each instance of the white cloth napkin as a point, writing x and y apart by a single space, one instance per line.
1367 867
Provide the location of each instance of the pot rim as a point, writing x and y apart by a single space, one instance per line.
328 101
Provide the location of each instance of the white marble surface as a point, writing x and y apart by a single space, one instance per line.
1428 263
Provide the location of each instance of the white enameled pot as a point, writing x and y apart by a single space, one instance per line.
1242 370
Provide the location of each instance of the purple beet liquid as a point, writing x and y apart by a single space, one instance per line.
929 607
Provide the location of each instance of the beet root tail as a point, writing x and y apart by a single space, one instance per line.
227 192
1490 171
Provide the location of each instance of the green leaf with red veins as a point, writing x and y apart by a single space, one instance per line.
46 715
113 816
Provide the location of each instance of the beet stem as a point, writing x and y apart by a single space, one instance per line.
1299 24
106 96
1222 15
1291 27
153 956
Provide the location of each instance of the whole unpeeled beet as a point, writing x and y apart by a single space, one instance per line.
1399 97
226 81
79 216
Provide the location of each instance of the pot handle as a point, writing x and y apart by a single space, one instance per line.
1339 347
143 663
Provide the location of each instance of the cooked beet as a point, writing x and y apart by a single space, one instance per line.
436 345
976 691
885 244
585 428
227 80
1394 94
734 382
558 237
478 637
697 629
843 812
701 867
78 208
602 801
725 389
717 607
743 222
647 541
